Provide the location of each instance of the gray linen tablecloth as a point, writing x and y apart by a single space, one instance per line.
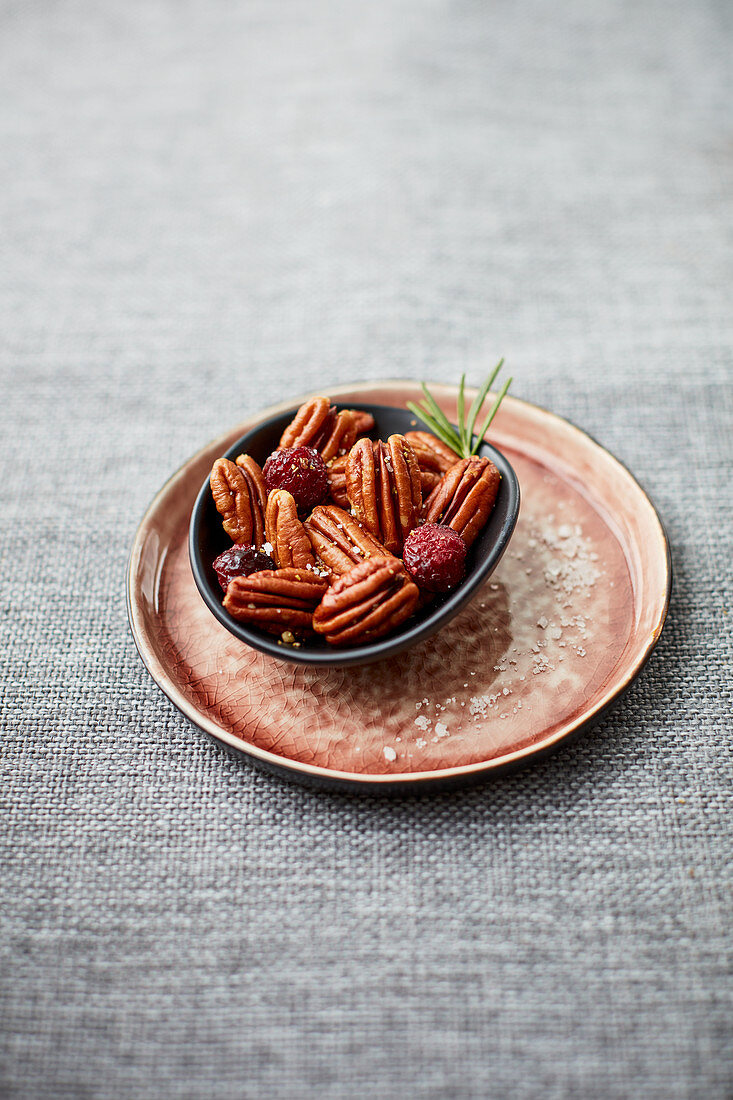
206 207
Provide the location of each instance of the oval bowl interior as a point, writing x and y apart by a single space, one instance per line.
207 539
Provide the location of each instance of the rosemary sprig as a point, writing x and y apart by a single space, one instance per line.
462 411
481 397
460 439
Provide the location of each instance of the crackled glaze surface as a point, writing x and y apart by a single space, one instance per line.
561 625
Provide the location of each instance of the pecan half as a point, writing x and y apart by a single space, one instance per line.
339 540
464 497
257 494
285 533
342 436
239 496
276 599
433 456
367 602
318 424
364 422
383 485
337 481
428 481
431 453
309 424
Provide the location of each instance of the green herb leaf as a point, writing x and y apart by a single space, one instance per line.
445 426
449 438
434 408
478 402
491 415
460 439
462 414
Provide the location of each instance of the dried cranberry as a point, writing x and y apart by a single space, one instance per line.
435 557
301 471
240 561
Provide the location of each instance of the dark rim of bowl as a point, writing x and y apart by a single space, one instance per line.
382 648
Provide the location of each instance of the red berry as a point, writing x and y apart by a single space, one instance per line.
240 561
301 471
435 557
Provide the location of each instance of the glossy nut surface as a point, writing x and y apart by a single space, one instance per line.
366 603
285 532
337 481
239 497
434 458
384 489
464 497
339 540
276 600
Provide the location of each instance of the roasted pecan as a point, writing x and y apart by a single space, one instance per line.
428 481
318 424
342 436
464 497
277 600
431 453
238 493
337 481
369 601
309 424
257 494
364 422
383 485
433 457
339 540
285 533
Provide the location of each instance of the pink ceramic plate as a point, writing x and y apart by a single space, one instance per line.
559 631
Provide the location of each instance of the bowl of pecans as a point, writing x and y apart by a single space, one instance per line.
330 536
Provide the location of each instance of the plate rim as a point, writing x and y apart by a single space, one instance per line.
397 782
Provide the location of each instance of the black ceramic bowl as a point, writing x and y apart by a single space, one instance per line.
207 539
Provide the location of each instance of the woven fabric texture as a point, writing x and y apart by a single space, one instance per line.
205 208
